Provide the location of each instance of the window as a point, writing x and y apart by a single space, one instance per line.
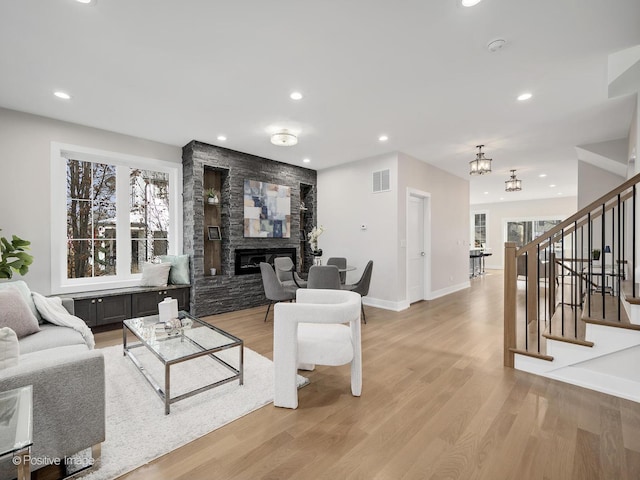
119 212
479 230
524 231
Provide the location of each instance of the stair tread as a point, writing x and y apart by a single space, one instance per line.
627 289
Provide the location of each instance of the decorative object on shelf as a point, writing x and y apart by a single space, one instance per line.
303 207
513 184
481 165
267 210
173 326
213 196
284 138
313 240
214 233
13 256
595 254
213 272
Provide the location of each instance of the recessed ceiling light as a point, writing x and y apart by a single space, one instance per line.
383 138
86 2
525 96
559 193
501 198
470 3
486 193
296 96
222 138
552 186
306 160
542 175
62 95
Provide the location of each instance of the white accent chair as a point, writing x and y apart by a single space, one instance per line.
321 328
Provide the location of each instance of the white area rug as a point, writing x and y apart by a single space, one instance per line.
138 431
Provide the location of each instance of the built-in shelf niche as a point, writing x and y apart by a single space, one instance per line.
307 219
213 249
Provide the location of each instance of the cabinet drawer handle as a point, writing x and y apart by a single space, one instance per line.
99 300
93 301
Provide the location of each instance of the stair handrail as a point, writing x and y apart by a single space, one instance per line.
580 214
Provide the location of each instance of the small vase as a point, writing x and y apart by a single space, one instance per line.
212 200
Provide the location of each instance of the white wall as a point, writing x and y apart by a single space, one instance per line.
345 203
449 224
561 207
25 153
593 182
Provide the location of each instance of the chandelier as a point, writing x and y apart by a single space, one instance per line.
513 184
480 165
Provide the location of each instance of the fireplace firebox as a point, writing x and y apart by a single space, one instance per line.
248 259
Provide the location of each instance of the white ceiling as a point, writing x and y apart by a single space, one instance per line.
416 70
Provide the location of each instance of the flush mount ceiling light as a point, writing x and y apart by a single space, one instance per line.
470 3
62 95
495 45
222 138
87 2
284 138
306 160
481 165
295 96
383 138
524 96
513 184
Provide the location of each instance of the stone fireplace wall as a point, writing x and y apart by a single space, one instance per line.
226 291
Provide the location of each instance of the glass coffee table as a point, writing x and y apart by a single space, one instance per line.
171 346
16 428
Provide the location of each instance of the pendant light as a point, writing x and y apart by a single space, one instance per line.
481 165
513 184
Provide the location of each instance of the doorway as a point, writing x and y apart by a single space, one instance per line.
418 245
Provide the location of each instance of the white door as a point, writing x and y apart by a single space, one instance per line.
416 249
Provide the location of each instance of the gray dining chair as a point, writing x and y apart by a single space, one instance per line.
285 270
362 286
339 262
324 276
273 289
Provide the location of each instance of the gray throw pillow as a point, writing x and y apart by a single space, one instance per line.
179 273
155 274
24 290
9 348
15 313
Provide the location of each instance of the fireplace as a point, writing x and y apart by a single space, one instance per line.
248 259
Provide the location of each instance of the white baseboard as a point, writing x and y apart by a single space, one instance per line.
447 290
386 304
404 304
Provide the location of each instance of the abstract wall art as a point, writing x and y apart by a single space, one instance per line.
267 210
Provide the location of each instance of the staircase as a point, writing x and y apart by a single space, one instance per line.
572 301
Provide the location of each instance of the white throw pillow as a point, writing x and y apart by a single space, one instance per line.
155 274
15 313
9 348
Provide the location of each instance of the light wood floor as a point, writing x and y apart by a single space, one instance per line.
436 404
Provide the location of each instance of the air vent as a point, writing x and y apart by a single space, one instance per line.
381 181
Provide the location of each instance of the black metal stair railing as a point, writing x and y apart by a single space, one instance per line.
576 269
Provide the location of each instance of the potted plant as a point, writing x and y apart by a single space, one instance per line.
213 196
13 256
595 254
